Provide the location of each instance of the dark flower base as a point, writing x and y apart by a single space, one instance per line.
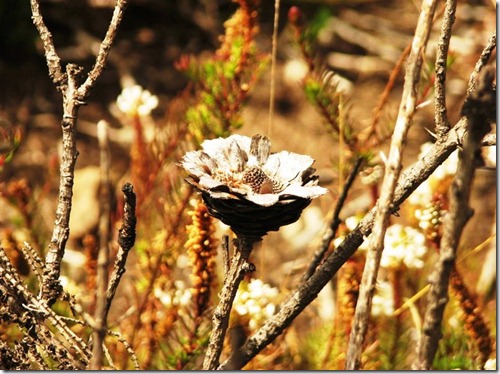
252 220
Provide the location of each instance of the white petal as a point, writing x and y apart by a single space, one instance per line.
267 199
215 147
307 192
287 166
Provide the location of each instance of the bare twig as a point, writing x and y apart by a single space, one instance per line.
308 291
239 267
100 326
384 98
392 171
483 60
73 97
479 113
334 222
441 119
126 240
104 49
53 60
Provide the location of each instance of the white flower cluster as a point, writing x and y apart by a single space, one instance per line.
429 218
403 245
135 100
181 295
254 300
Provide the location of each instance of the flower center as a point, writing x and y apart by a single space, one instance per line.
259 181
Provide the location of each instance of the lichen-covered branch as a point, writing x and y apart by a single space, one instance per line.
45 334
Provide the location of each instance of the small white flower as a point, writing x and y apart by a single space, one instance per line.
135 100
383 299
403 245
179 296
491 364
490 155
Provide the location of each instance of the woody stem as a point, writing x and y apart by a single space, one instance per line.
238 268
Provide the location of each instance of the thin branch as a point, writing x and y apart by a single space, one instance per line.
334 223
53 60
384 98
100 326
104 49
483 60
308 291
239 267
441 119
477 110
392 171
126 240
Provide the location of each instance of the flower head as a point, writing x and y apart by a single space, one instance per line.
135 100
249 188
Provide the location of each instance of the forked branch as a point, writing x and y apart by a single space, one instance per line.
73 97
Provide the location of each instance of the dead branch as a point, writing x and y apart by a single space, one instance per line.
126 240
479 114
392 170
43 328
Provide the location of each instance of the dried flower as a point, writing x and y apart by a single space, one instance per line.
135 100
249 188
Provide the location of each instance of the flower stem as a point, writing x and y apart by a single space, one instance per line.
220 321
